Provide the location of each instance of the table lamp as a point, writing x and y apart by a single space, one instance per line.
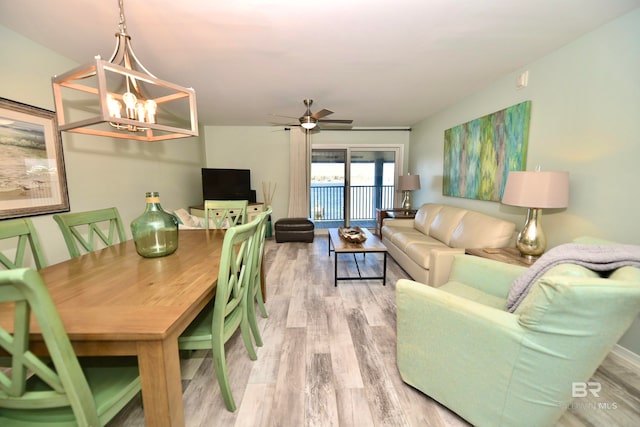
408 183
535 190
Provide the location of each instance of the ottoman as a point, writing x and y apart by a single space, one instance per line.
294 230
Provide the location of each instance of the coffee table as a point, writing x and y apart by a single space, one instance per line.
372 245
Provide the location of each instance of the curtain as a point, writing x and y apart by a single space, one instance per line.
300 165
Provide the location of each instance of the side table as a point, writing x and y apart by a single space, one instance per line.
508 255
381 214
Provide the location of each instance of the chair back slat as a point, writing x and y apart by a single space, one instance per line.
254 293
63 384
234 277
24 234
261 233
86 230
225 213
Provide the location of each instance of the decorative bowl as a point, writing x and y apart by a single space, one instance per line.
352 234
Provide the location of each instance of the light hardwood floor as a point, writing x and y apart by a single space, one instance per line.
329 359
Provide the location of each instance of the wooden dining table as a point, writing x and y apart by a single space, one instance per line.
115 302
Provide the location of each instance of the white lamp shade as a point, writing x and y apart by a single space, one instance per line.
409 182
537 189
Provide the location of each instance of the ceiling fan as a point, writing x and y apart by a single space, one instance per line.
310 120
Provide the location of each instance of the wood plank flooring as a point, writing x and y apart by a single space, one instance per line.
329 358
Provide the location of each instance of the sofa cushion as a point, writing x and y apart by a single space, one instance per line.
479 230
425 216
184 218
390 227
405 237
445 223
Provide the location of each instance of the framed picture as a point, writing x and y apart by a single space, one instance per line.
478 155
32 175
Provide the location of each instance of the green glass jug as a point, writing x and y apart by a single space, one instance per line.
155 232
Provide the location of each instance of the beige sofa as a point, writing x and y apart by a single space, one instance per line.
425 246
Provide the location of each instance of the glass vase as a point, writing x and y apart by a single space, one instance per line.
155 232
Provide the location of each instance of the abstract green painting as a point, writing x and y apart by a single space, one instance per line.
479 154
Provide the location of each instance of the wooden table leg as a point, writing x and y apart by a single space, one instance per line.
159 364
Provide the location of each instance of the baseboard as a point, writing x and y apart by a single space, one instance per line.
629 356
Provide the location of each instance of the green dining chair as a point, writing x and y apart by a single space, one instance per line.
225 213
254 295
227 313
88 229
59 390
22 232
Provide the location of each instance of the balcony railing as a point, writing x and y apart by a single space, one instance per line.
327 201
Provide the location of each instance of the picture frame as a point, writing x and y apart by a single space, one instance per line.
479 154
32 172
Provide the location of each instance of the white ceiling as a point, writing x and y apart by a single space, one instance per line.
378 62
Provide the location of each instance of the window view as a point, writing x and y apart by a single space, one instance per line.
336 201
327 186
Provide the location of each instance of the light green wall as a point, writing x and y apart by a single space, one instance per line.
584 119
265 150
101 172
262 149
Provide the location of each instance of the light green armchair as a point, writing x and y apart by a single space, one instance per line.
459 345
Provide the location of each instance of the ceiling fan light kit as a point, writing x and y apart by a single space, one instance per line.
120 98
310 120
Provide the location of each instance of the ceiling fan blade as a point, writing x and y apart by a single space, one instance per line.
286 124
335 121
280 115
321 113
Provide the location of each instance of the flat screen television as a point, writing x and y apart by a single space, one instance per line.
227 184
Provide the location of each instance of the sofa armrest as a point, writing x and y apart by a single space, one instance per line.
440 261
459 352
489 276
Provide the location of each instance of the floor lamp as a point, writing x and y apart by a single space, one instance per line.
535 190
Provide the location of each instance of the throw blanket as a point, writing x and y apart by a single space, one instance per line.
594 257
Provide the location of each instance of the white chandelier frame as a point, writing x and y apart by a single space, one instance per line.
99 83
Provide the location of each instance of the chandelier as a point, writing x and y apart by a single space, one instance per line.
120 98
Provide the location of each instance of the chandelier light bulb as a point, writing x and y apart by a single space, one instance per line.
140 111
129 99
130 102
152 108
115 107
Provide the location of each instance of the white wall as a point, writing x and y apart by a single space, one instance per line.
584 119
101 172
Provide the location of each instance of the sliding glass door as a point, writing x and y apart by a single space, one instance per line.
349 184
328 184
